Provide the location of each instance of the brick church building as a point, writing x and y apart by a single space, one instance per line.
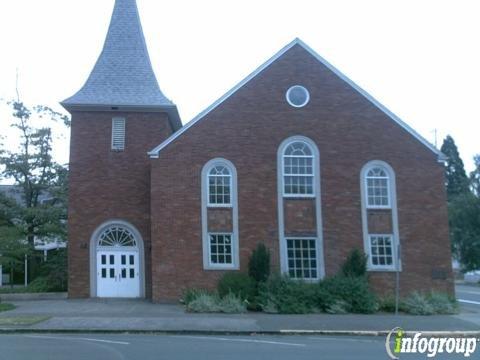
296 156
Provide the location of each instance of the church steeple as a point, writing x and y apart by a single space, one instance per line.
123 77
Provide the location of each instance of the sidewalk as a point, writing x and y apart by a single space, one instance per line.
143 316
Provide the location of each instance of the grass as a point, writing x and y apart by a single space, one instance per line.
22 320
6 307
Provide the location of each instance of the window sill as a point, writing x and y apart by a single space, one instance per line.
228 206
221 267
299 196
383 269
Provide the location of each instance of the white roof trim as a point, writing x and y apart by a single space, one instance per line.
154 153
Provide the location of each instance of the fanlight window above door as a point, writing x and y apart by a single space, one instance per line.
117 235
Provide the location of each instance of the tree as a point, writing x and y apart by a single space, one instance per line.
464 219
35 174
475 176
456 179
12 249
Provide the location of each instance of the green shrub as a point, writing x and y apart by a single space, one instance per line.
204 303
387 303
239 284
286 296
6 307
442 303
40 284
232 304
337 307
259 264
417 304
191 294
354 291
355 265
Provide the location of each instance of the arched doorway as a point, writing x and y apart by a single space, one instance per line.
116 259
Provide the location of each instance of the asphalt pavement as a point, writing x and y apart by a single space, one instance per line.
179 347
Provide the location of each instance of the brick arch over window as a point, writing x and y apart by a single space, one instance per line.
298 176
123 234
380 216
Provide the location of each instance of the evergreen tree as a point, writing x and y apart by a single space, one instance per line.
464 219
475 176
457 182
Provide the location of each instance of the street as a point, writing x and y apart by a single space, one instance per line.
469 297
145 347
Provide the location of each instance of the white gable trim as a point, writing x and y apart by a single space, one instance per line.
154 153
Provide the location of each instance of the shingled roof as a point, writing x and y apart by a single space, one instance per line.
123 75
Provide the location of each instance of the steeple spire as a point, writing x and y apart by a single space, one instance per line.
123 76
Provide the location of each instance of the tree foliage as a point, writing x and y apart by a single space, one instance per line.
475 176
36 176
259 263
456 178
464 218
35 173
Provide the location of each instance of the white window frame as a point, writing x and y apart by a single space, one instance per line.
397 263
225 265
389 193
118 121
317 199
230 183
316 257
207 265
394 253
312 176
290 89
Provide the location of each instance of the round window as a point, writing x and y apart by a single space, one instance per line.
297 96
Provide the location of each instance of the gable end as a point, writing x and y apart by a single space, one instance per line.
154 153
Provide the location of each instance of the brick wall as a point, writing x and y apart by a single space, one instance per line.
107 185
247 129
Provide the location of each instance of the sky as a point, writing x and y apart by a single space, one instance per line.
420 58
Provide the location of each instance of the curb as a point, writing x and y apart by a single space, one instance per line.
33 296
285 332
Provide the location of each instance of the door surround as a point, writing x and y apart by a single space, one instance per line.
93 253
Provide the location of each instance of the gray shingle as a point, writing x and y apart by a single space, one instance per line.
123 74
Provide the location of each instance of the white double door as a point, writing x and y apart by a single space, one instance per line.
118 274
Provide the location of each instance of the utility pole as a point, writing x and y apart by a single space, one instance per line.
397 280
26 270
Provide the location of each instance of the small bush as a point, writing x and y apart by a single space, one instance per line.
387 303
286 296
337 307
231 304
40 284
355 265
417 304
239 284
354 291
212 303
442 303
191 294
259 264
6 307
204 303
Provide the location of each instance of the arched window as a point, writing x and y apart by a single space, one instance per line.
220 215
219 186
298 170
298 177
377 182
116 236
379 216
